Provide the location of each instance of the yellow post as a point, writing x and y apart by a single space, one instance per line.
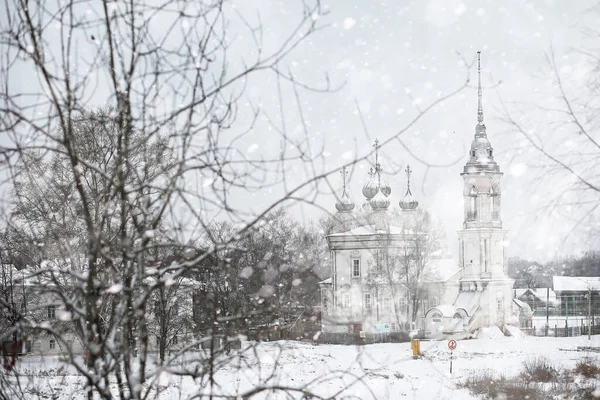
416 347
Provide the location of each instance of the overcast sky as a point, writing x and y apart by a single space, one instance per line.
391 58
396 55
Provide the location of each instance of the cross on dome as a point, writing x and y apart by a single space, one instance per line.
344 204
408 202
344 173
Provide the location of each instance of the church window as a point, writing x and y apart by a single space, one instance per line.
436 315
355 268
402 303
473 203
51 312
490 152
485 253
387 303
346 300
457 315
367 301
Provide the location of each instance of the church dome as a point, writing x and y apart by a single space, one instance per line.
367 206
344 204
384 187
371 188
408 202
481 155
379 202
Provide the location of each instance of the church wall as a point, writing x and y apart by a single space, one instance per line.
483 253
451 290
349 301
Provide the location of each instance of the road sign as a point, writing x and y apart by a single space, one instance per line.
452 347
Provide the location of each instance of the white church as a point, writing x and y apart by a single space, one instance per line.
372 250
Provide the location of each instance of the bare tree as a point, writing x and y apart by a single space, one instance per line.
270 269
98 192
404 260
558 145
171 319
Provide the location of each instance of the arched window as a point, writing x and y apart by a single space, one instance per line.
436 315
457 315
473 203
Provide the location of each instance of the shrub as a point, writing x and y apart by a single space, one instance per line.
539 370
587 367
485 384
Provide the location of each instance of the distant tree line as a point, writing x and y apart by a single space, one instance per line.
533 274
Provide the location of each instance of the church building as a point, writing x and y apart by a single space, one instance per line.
377 250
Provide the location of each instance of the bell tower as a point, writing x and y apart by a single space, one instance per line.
482 239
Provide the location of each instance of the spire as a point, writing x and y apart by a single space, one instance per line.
479 92
480 128
481 155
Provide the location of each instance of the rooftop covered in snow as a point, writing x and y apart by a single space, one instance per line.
576 283
370 230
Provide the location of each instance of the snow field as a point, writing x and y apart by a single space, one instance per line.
378 371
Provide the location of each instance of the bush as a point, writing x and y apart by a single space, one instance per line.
587 367
539 370
485 384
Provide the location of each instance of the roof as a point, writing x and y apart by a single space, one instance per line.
469 301
447 310
539 293
370 230
442 269
576 283
9 273
523 305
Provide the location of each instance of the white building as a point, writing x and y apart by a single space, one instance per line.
477 291
366 292
482 291
35 299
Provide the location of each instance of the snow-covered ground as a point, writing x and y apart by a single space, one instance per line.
378 371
